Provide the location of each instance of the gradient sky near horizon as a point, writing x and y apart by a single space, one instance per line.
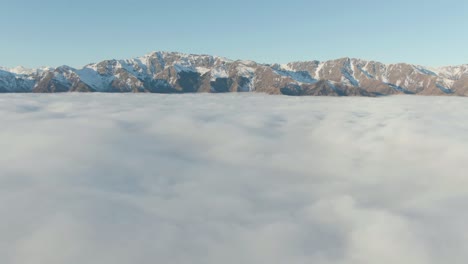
57 32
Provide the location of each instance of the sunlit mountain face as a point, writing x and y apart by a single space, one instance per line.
171 72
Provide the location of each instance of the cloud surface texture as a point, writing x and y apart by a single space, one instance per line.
234 178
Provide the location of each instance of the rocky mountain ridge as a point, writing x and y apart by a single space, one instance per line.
172 72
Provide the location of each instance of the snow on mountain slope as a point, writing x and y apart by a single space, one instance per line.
298 76
92 78
12 82
385 78
20 70
173 72
452 72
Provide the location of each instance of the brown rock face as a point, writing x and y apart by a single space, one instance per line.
383 79
170 72
460 86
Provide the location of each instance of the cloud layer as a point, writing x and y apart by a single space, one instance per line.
116 178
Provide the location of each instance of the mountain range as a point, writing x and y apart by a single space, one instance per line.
172 72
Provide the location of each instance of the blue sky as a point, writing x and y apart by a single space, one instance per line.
54 32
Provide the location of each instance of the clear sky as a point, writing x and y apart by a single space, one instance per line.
57 32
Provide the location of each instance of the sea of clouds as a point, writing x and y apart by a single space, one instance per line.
235 178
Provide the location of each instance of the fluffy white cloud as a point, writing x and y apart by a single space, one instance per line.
236 178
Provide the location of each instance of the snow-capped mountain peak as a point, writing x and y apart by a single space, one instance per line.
174 72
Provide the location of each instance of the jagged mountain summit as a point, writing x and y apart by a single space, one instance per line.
172 72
